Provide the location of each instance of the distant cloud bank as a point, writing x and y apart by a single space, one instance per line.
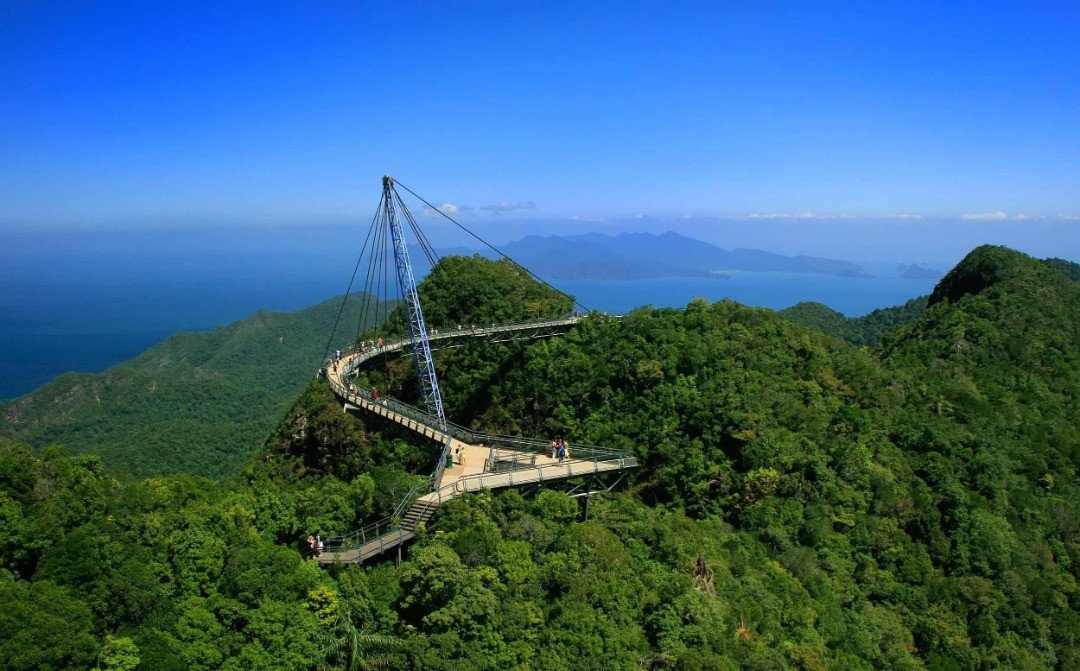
468 210
1004 216
815 215
504 206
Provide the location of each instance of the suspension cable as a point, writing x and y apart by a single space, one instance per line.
368 323
490 246
352 279
371 302
425 244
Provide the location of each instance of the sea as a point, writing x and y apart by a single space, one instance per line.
72 310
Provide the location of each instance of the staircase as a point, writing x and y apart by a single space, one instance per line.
419 513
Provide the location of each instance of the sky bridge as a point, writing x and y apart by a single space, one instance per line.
469 461
490 461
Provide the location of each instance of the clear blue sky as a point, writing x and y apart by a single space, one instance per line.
290 112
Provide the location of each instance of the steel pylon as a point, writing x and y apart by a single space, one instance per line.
414 315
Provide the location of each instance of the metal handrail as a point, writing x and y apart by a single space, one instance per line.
379 527
362 395
516 445
448 334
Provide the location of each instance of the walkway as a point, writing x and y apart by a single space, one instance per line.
491 462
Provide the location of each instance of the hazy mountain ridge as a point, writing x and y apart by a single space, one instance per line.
637 256
916 272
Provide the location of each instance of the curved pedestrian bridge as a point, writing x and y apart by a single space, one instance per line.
488 461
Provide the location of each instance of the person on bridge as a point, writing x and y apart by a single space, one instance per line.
374 394
380 341
554 448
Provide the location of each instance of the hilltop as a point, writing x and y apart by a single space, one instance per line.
196 403
866 330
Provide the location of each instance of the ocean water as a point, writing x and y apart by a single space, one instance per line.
853 296
90 313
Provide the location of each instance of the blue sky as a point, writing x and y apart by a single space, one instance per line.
159 114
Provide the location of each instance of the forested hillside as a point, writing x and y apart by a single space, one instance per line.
802 504
866 330
871 328
198 403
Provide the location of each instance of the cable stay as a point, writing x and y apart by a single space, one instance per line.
494 461
381 247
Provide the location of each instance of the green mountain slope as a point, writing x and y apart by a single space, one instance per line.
198 403
802 504
866 330
1068 268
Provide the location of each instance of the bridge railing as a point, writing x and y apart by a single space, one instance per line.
551 471
516 451
380 527
362 394
369 352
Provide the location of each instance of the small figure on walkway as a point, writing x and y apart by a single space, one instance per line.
380 341
374 394
311 544
562 451
318 546
461 456
565 449
554 448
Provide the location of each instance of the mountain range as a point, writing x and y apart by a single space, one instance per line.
639 256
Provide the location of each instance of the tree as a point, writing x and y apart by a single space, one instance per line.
118 654
345 645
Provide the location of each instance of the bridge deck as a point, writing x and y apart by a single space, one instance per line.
473 474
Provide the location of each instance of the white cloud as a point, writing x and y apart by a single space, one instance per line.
506 206
798 215
450 209
910 217
985 216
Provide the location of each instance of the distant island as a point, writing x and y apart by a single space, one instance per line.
916 272
640 256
